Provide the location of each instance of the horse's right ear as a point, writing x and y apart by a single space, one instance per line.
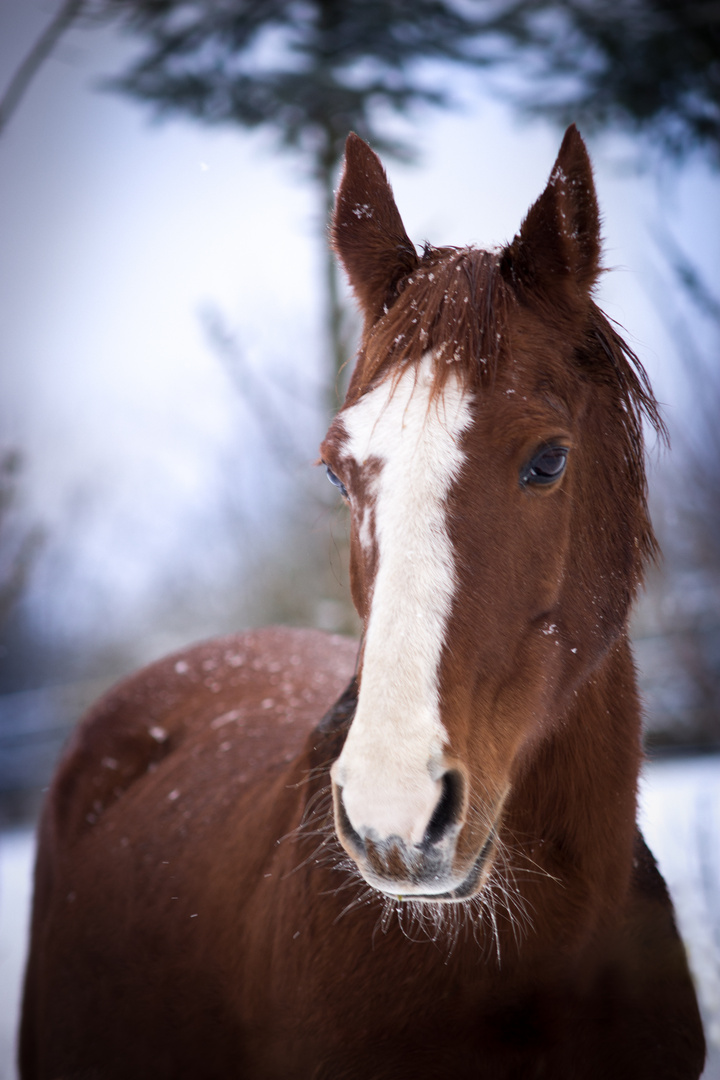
367 232
557 251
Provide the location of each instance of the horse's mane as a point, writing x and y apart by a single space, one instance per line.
456 305
452 305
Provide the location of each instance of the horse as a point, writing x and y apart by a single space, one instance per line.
285 855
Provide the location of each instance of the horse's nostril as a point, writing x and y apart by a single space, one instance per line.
448 809
345 826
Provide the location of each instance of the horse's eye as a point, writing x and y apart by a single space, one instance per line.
336 481
546 467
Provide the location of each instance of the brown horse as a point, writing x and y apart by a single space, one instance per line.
440 874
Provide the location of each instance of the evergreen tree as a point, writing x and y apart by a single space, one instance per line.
650 66
309 70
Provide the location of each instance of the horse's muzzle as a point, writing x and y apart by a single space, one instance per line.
432 870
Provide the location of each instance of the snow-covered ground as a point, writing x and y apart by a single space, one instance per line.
680 810
17 849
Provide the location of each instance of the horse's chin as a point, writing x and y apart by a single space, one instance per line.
453 887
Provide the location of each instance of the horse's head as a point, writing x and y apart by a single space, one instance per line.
490 449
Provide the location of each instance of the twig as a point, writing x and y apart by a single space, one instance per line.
38 54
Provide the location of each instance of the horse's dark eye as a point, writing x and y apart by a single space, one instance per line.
336 481
547 466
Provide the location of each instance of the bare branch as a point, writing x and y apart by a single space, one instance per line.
687 272
40 51
274 423
16 556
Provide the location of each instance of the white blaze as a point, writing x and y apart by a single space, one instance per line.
391 763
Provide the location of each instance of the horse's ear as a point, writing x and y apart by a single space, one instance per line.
558 247
367 232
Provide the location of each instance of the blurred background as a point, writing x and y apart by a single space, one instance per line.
173 336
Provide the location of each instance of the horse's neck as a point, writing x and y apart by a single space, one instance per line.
575 802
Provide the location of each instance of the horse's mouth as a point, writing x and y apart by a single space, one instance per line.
425 884
472 882
479 873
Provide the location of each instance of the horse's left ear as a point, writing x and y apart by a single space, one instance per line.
558 246
367 231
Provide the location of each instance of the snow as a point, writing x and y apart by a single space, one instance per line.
679 814
17 849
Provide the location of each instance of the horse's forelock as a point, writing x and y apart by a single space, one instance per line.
457 305
453 307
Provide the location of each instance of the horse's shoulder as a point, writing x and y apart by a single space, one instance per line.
656 972
650 913
265 688
649 940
